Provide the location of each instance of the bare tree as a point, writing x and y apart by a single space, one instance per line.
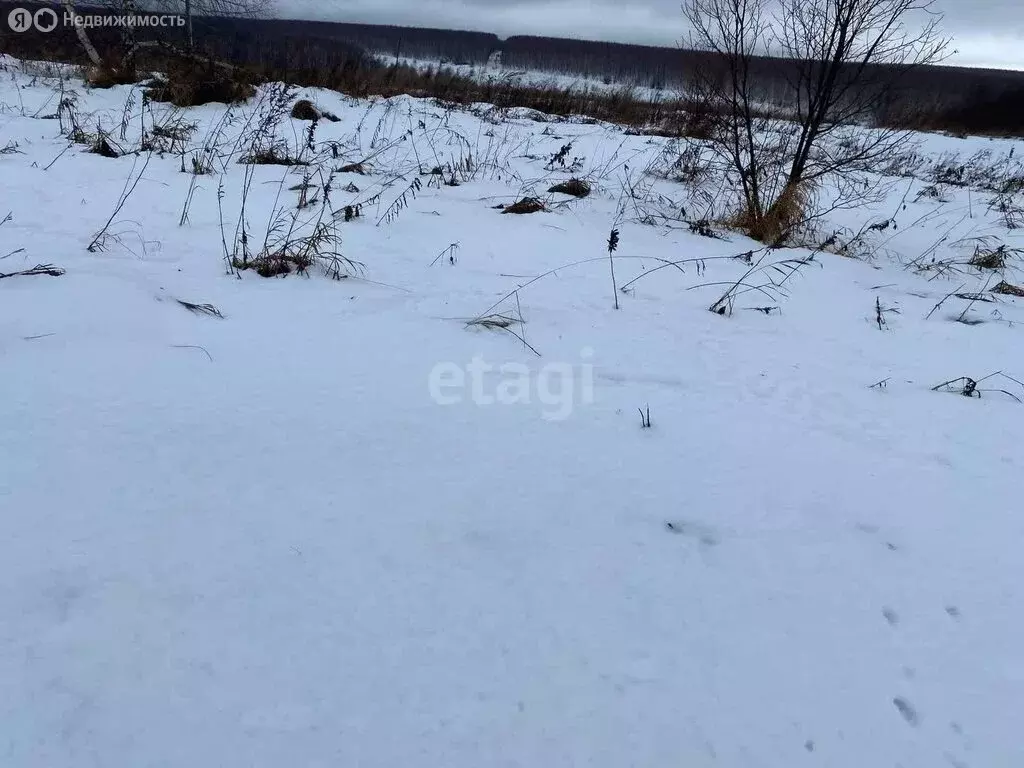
850 56
83 37
734 31
841 63
128 44
128 37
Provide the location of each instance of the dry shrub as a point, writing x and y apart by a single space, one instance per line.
112 70
691 166
574 187
981 112
625 106
193 81
777 224
107 76
526 205
700 121
172 136
311 60
693 119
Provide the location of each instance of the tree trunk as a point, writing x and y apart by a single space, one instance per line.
83 38
128 37
188 19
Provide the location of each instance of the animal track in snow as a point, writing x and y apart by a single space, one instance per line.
704 534
906 710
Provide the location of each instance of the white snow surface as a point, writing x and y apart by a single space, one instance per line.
261 540
494 71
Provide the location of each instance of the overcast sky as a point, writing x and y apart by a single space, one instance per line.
986 32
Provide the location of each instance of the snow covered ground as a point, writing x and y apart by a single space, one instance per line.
494 71
329 529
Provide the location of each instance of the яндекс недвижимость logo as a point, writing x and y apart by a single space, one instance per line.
22 20
47 19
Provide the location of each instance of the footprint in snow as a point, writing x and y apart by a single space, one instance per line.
706 535
871 529
64 590
906 710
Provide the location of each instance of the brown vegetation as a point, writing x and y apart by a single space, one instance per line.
526 205
190 81
574 187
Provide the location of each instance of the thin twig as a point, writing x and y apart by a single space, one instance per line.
194 346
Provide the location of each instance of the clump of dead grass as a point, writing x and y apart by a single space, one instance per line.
991 257
776 225
277 264
526 205
271 152
286 251
1008 289
577 188
108 74
172 135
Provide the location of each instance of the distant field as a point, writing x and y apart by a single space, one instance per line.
938 98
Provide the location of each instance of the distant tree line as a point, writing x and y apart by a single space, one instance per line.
970 100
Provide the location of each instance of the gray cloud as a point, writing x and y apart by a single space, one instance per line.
985 32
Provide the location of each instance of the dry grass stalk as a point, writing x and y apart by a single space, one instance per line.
968 387
494 321
200 309
38 269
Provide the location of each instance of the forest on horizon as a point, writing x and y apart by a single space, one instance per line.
984 100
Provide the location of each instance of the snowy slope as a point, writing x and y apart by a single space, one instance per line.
286 537
495 72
